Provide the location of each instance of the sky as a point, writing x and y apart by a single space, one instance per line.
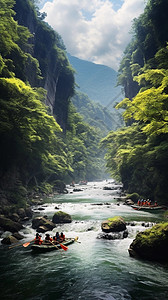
94 30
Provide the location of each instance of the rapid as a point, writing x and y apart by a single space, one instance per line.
92 268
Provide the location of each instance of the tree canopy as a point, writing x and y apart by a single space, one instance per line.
137 154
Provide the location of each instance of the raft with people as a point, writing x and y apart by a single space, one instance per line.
46 247
151 208
56 243
147 205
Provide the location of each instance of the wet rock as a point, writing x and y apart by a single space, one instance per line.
14 217
115 224
113 235
18 236
61 217
28 212
42 229
152 244
9 240
60 187
41 221
129 202
90 228
108 188
9 225
21 212
77 190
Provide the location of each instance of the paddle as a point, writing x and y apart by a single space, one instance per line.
27 244
65 248
24 245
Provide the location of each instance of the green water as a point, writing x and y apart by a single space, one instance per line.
92 269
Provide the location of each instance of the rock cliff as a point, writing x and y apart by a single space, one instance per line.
47 47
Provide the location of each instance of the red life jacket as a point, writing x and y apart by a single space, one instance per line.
38 241
62 238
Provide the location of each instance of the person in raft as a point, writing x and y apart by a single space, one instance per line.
56 237
62 237
48 239
38 240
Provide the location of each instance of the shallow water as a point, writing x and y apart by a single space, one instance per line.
91 269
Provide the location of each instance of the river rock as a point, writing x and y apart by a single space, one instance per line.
28 212
61 217
113 235
9 240
60 187
21 212
18 236
115 224
129 202
41 221
14 217
152 244
9 225
42 229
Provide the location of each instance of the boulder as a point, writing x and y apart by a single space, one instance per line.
14 217
59 186
21 212
129 202
152 244
41 221
28 212
115 224
9 225
113 235
18 236
42 229
9 240
61 217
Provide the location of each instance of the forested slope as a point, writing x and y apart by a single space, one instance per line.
43 139
97 115
138 153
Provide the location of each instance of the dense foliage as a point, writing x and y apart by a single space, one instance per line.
39 144
96 115
137 154
31 149
82 140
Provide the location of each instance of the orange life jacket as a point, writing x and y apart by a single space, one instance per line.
38 241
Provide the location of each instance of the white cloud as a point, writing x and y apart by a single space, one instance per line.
92 29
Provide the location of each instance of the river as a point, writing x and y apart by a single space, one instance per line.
92 268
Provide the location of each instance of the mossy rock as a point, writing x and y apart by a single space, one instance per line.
115 224
9 240
152 244
39 222
8 225
61 217
59 186
134 197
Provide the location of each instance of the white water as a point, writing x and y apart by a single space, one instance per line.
92 269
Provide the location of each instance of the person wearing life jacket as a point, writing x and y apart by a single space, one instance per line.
155 204
38 240
138 202
62 237
48 239
56 237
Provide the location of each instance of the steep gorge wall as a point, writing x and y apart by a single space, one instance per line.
53 70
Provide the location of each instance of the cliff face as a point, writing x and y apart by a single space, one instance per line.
54 65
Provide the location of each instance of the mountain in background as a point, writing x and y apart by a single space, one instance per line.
97 81
96 114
